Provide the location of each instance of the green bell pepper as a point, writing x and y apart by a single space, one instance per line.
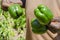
15 10
37 27
43 14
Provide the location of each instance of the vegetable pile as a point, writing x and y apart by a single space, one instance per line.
12 23
43 17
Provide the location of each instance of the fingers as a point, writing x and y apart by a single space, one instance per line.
46 36
51 34
55 25
56 19
38 37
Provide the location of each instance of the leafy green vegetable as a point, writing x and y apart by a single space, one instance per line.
20 38
21 22
10 27
5 29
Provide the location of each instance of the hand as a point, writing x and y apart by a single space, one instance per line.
55 23
30 6
7 3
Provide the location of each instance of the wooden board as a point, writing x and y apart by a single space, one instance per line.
30 6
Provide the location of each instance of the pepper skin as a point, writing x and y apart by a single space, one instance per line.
37 27
15 10
43 14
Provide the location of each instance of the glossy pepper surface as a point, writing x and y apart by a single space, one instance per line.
43 14
15 10
37 27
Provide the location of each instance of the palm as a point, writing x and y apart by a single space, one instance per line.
54 6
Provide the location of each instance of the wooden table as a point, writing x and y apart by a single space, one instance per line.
30 5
